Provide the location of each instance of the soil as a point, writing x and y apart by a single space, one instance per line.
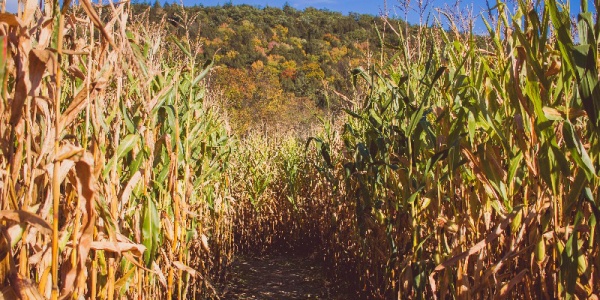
279 277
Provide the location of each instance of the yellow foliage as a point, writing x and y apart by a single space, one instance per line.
257 66
313 70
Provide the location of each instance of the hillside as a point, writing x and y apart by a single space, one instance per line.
276 67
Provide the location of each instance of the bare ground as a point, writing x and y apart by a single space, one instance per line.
279 277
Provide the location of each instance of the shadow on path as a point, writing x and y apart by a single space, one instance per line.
278 277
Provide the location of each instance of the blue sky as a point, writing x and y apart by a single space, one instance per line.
374 7
11 5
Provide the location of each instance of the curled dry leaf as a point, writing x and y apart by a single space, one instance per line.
475 165
126 193
89 9
10 19
76 72
475 249
21 216
69 151
554 68
86 189
7 293
63 171
119 247
31 69
46 25
204 239
80 100
181 266
47 136
31 6
506 288
24 288
160 274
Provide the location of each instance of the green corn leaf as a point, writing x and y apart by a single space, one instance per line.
325 155
137 161
353 114
171 119
150 231
569 262
415 118
515 163
586 28
124 147
205 69
435 158
181 47
561 22
414 195
589 88
375 119
579 153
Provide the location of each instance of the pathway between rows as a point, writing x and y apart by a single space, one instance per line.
279 277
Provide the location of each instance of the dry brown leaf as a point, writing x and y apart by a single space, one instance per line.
134 261
91 12
152 103
119 247
10 19
181 266
7 293
160 274
47 139
5 257
204 240
475 165
475 249
79 101
21 216
76 72
126 193
554 68
29 77
70 152
76 276
510 285
31 6
46 26
63 171
24 288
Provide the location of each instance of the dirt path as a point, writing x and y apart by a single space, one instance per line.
278 277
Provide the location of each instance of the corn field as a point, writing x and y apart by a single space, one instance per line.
469 171
113 181
459 168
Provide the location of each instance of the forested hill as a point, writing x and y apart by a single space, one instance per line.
275 66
